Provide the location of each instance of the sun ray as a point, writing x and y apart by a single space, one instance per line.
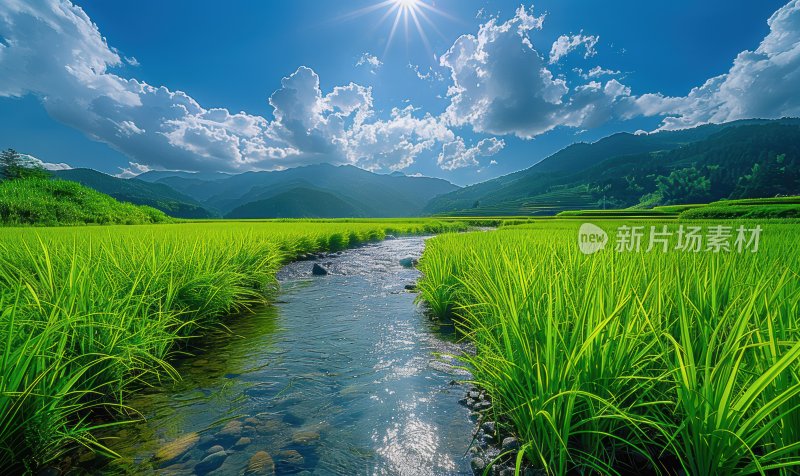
437 11
432 25
385 16
369 9
407 12
413 14
405 25
394 29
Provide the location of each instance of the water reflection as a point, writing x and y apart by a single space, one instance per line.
340 377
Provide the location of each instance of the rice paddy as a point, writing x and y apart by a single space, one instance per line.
90 314
610 363
637 362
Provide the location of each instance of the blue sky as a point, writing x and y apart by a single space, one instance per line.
127 86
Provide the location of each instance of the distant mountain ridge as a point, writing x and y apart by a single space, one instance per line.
297 202
138 192
324 190
625 170
369 194
741 159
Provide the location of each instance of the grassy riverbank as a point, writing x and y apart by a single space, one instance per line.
653 361
90 313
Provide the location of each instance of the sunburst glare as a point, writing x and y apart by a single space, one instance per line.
404 14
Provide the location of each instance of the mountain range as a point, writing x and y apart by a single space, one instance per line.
314 191
741 159
138 192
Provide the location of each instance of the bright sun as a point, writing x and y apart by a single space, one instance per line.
404 12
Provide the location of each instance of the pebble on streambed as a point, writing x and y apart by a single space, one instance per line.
176 448
211 462
260 463
489 443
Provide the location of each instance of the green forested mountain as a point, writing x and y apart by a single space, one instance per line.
369 194
742 159
754 158
139 192
297 202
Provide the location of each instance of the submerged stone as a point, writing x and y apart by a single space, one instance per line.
269 426
242 442
318 270
305 437
260 463
176 448
214 449
211 462
291 458
232 429
408 262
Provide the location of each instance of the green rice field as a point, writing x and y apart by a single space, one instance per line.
675 362
89 314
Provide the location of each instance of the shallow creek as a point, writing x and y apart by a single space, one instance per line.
344 375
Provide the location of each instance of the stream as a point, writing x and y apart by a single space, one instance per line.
343 375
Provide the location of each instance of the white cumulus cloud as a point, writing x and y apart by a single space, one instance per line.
53 50
370 61
35 161
456 154
429 75
502 84
762 83
565 44
133 170
598 71
395 143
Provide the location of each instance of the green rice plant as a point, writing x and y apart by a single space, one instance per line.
736 379
90 314
618 362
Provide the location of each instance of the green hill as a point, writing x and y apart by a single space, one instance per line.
297 203
138 192
49 202
753 158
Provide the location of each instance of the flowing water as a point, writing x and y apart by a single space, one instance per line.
342 376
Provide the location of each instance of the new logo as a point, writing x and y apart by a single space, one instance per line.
591 238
